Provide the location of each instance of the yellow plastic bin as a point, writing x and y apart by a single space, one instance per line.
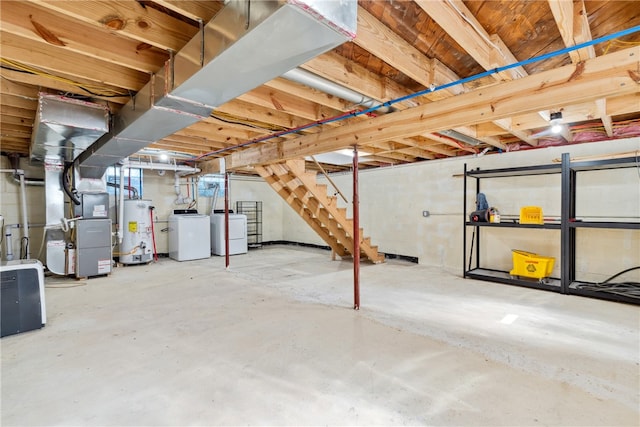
531 215
528 264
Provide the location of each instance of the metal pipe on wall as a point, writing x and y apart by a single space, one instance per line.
121 207
356 233
23 203
226 220
25 222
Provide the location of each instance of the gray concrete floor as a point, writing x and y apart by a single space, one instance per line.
274 341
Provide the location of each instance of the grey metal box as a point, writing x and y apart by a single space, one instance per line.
93 247
93 205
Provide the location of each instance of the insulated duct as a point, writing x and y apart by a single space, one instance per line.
65 127
246 44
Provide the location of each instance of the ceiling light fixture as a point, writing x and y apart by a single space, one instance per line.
556 122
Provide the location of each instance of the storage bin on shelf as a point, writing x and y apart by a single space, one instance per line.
528 264
531 215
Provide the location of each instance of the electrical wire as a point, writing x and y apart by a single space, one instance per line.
255 124
94 90
433 88
628 289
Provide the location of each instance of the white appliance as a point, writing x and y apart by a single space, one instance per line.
137 240
188 237
22 298
237 234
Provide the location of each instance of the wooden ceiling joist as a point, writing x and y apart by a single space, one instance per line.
612 75
128 18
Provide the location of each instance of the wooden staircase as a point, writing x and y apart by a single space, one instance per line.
301 191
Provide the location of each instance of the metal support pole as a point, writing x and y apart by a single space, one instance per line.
226 220
356 233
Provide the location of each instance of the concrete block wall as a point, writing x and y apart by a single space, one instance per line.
11 205
392 200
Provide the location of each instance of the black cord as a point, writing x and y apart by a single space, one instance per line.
628 289
622 272
24 247
65 184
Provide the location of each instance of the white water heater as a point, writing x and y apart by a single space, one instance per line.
137 243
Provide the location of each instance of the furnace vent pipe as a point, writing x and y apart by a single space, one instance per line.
314 81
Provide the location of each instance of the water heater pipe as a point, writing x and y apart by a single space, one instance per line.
23 201
121 207
9 243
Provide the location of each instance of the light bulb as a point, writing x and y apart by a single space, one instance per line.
556 128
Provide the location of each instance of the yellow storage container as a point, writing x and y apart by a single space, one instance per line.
531 215
528 264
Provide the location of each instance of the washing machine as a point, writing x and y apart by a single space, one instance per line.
237 234
188 236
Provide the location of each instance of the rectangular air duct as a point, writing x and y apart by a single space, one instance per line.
245 45
65 127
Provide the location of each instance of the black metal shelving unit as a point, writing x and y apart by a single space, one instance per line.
567 283
253 211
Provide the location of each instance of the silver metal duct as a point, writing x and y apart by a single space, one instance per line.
460 137
314 81
246 44
65 127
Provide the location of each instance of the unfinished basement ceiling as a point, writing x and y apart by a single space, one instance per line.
106 51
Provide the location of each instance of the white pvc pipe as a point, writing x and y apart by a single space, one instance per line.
25 222
9 242
121 208
160 166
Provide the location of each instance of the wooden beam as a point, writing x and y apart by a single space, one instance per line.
247 110
9 87
40 82
352 75
287 103
196 10
523 135
129 18
32 22
309 94
378 39
18 101
607 122
611 75
458 21
8 110
573 23
58 60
